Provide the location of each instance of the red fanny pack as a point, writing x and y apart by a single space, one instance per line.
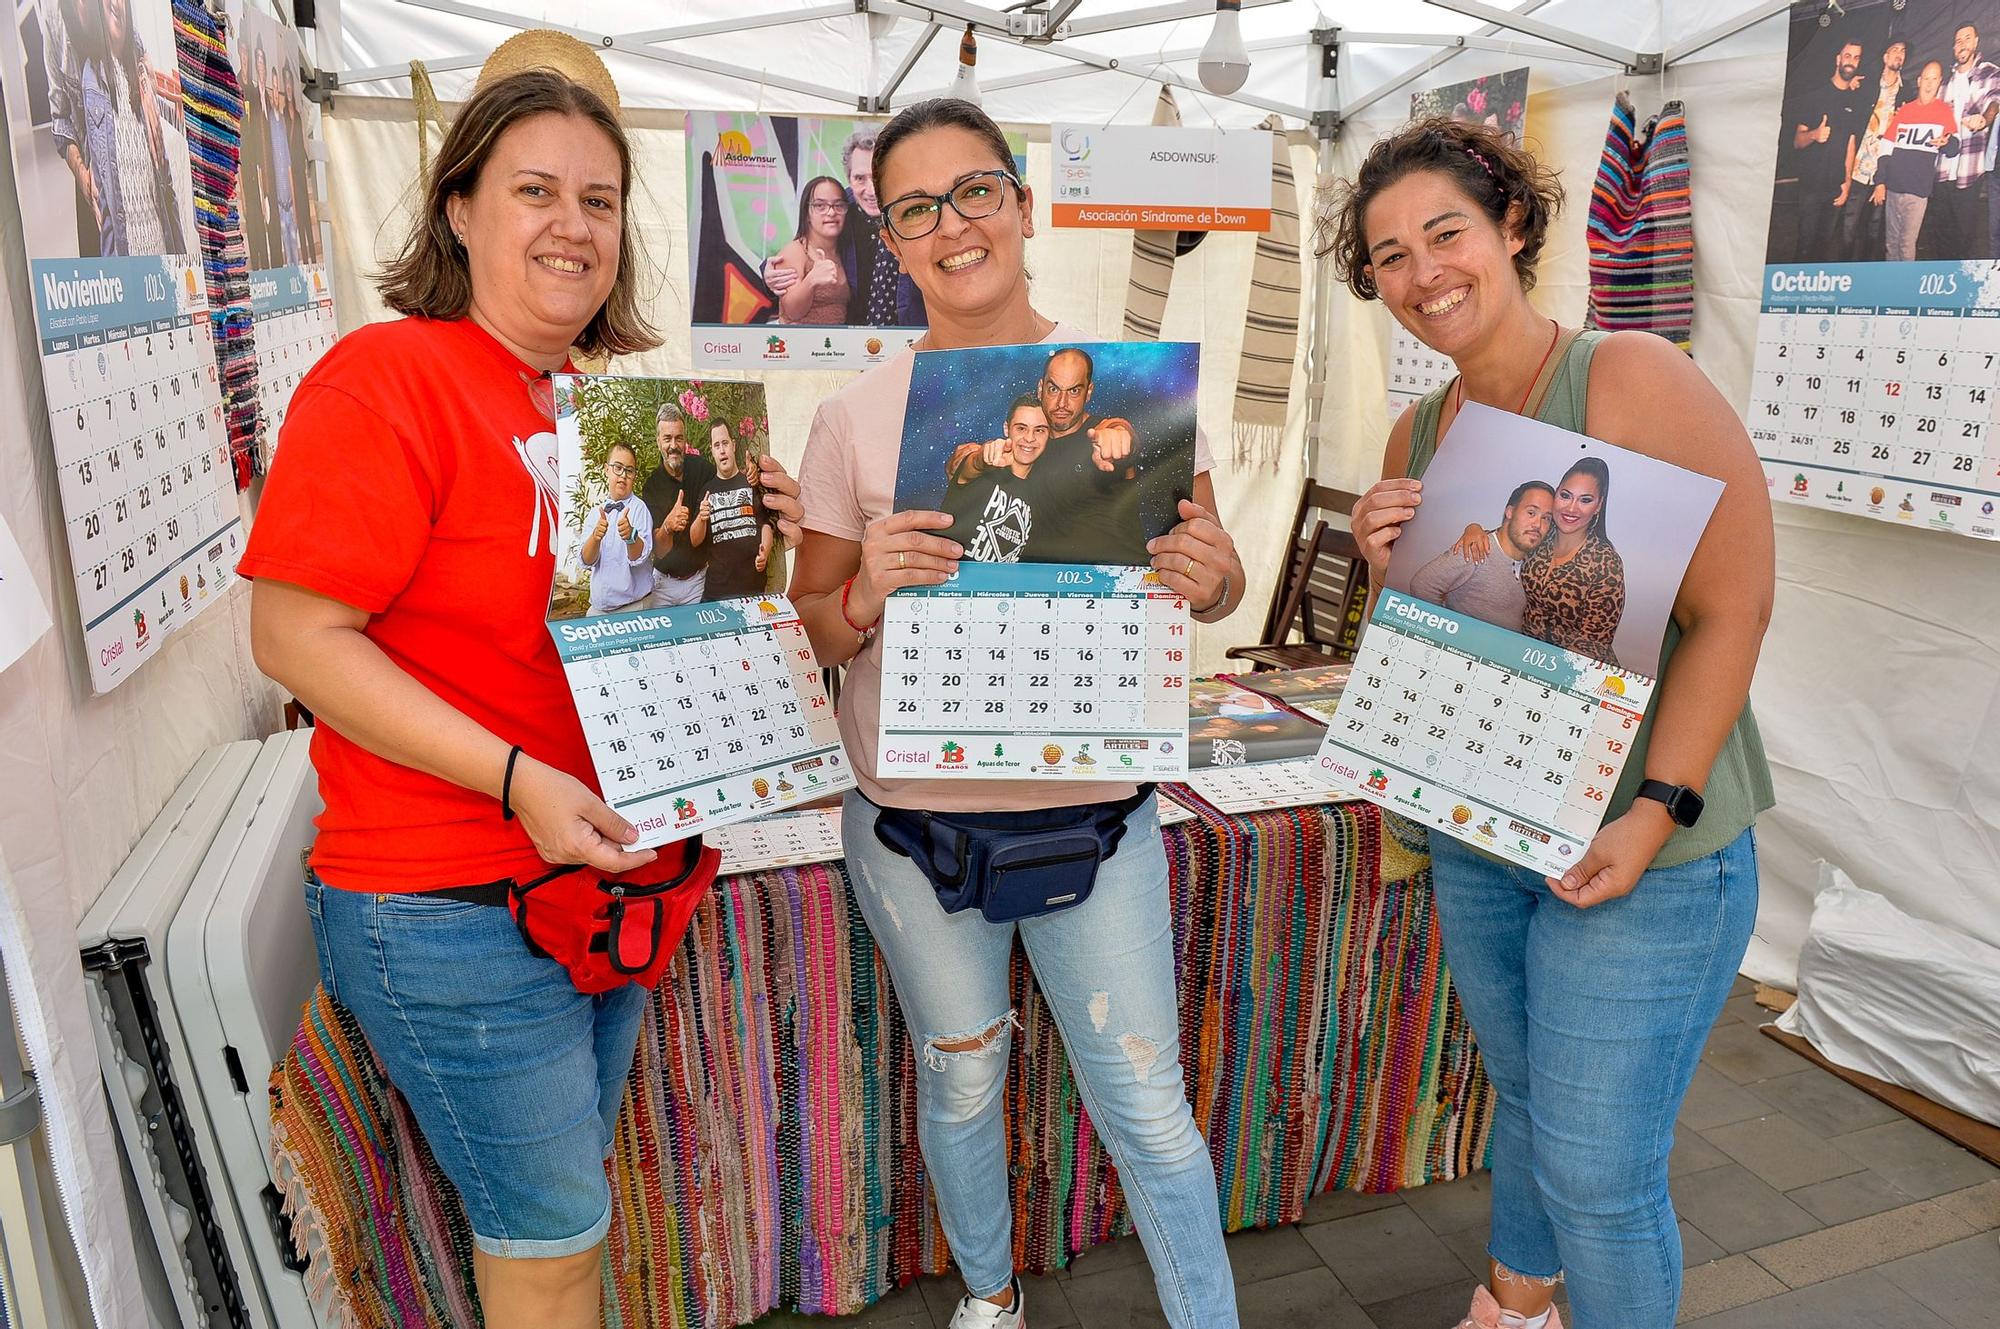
610 931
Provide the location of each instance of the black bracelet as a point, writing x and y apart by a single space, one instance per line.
507 785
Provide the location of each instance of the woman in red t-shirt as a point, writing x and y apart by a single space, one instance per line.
403 557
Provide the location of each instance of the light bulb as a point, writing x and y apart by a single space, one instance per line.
1225 63
964 86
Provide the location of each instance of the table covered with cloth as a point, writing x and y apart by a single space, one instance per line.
767 1153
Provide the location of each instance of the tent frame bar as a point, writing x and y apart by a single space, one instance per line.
1505 46
1548 32
1724 30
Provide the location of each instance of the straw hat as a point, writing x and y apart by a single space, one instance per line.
543 48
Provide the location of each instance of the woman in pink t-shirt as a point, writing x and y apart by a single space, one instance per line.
955 215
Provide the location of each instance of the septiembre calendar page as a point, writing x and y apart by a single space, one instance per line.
693 678
1513 652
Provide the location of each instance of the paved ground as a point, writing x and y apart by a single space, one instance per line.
1804 1203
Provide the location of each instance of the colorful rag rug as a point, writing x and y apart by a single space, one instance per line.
767 1155
1641 231
212 98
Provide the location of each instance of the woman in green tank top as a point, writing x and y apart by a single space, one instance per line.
1590 994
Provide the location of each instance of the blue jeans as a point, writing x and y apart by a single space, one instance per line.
1591 1022
514 1077
1106 969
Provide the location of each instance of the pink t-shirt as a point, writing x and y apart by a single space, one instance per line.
847 479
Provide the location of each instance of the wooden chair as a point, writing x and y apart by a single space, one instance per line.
1320 596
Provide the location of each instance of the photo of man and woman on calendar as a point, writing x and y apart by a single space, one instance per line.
1553 535
659 500
100 140
1052 453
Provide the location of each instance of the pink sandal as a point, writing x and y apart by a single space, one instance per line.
1486 1314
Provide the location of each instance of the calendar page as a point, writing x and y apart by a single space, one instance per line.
101 166
695 682
1275 784
290 297
1877 382
1229 725
1414 369
1512 653
780 840
1045 670
1315 691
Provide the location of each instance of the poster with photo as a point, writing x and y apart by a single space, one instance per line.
291 298
1513 651
1315 690
1878 341
692 674
96 126
789 268
1231 725
1052 453
1496 100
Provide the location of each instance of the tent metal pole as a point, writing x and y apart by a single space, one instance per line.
1534 27
881 102
27 1264
1139 18
1395 85
1525 50
1724 30
1326 45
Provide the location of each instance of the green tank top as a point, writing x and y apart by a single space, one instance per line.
1739 784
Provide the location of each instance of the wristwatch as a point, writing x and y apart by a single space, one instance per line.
1683 804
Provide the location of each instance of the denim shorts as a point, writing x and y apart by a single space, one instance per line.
514 1077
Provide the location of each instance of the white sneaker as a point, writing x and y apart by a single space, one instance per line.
977 1313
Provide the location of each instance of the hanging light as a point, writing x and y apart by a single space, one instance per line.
964 85
1225 63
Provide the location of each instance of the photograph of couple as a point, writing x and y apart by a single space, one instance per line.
1519 532
1072 455
661 503
103 103
787 224
1887 150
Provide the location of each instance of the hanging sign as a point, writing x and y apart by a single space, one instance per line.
1160 178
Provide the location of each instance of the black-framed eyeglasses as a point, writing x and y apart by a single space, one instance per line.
977 195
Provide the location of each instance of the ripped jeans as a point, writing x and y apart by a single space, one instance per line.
1106 969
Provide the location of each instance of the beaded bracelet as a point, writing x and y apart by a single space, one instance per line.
866 634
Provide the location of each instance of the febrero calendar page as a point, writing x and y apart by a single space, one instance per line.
1512 655
696 686
1877 383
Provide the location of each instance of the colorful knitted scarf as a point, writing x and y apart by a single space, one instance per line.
1641 232
213 101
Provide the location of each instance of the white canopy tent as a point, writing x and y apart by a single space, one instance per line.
1879 688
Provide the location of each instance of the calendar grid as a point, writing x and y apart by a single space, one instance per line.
1877 391
1495 737
1050 670
704 715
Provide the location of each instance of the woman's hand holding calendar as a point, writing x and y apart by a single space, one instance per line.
1619 854
1378 519
896 552
1198 559
568 823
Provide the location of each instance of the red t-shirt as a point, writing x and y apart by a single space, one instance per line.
405 485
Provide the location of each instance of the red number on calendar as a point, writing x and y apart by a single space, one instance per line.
1606 769
1892 389
1593 793
1170 681
1615 745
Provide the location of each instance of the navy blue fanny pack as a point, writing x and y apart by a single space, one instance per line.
1009 865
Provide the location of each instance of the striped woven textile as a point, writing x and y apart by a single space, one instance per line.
767 1156
1641 231
212 98
1271 323
1153 255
